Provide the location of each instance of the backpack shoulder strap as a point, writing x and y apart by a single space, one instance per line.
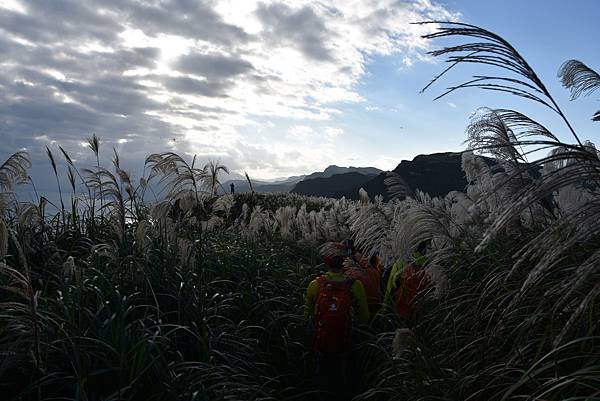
321 280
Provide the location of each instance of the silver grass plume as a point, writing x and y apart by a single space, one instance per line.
302 221
424 219
224 204
160 211
164 225
14 170
187 201
404 339
439 279
396 186
106 187
515 76
370 225
177 174
312 233
26 326
241 221
363 196
142 236
68 268
27 218
213 169
94 144
585 170
259 221
331 250
284 216
20 316
213 223
337 221
493 50
580 79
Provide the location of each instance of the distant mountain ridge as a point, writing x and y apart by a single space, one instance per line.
336 170
288 184
330 186
437 174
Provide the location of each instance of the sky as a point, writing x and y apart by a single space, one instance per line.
275 87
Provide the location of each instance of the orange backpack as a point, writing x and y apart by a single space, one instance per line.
370 277
333 315
414 281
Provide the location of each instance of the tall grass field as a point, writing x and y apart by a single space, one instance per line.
157 289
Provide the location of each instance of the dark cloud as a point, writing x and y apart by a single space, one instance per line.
196 86
36 111
65 74
108 94
48 21
302 28
188 18
213 66
79 64
60 20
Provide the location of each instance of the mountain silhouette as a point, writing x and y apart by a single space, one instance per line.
437 174
288 184
332 185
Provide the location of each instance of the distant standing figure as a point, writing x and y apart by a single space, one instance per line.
232 186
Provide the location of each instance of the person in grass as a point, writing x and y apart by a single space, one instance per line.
406 281
334 303
367 271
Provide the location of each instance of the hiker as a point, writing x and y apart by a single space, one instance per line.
232 187
406 281
334 303
367 272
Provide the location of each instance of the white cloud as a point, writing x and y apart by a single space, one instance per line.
305 132
12 5
451 104
388 162
333 132
301 132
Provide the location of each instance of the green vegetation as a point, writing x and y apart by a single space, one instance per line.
102 326
198 297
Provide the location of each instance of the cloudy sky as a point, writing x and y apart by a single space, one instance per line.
275 88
